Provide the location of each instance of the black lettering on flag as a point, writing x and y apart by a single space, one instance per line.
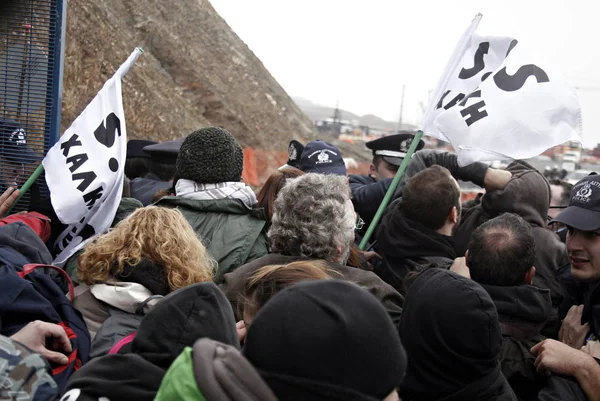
72 141
91 197
474 112
477 93
478 63
454 101
77 161
439 105
105 134
511 83
512 46
87 178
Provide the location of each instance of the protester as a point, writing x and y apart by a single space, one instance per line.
269 191
369 190
25 375
417 233
527 194
452 337
500 258
211 370
326 340
197 311
221 209
295 150
151 253
322 158
161 171
313 219
137 162
269 280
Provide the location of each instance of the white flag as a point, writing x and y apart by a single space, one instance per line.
522 109
474 59
85 168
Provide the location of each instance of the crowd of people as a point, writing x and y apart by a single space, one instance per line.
204 289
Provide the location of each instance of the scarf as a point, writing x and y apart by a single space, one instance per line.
224 190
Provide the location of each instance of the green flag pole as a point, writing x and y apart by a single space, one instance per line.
27 185
392 189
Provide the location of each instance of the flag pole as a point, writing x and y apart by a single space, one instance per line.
392 189
27 185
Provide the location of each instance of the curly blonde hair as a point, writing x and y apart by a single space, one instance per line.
160 235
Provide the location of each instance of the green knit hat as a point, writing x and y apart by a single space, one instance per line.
209 156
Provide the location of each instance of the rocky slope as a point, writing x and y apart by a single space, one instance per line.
195 72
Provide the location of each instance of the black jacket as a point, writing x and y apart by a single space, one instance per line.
367 193
453 341
577 293
406 245
523 311
527 195
197 311
144 188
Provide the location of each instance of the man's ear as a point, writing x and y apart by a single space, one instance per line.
453 217
529 276
372 170
467 262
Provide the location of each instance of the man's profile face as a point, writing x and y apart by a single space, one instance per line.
584 254
12 173
380 171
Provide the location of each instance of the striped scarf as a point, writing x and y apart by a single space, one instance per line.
188 189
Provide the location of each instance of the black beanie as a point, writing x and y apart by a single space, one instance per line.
326 340
451 332
209 156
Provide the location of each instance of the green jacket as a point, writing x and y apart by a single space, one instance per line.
233 234
212 371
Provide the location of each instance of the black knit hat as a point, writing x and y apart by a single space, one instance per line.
209 156
324 340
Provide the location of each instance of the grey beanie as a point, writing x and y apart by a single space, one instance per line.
209 156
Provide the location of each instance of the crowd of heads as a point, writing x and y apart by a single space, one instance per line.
204 289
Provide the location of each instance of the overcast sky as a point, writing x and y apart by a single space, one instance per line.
361 53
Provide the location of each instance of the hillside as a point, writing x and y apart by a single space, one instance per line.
195 72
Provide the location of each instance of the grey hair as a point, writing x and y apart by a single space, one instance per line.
312 218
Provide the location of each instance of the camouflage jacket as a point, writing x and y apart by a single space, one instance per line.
24 374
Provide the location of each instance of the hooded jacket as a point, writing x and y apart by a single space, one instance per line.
452 336
213 371
407 245
232 233
527 195
326 340
234 283
197 311
523 311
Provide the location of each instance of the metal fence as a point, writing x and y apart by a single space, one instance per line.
31 67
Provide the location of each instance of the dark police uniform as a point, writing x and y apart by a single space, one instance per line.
367 192
144 188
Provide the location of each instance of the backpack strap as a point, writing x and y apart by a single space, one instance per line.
140 309
27 269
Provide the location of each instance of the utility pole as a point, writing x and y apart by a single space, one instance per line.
401 109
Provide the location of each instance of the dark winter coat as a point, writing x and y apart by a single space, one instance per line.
523 311
527 195
234 283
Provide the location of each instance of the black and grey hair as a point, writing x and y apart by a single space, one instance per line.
501 251
313 218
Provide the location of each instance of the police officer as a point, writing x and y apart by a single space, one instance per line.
163 158
369 191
